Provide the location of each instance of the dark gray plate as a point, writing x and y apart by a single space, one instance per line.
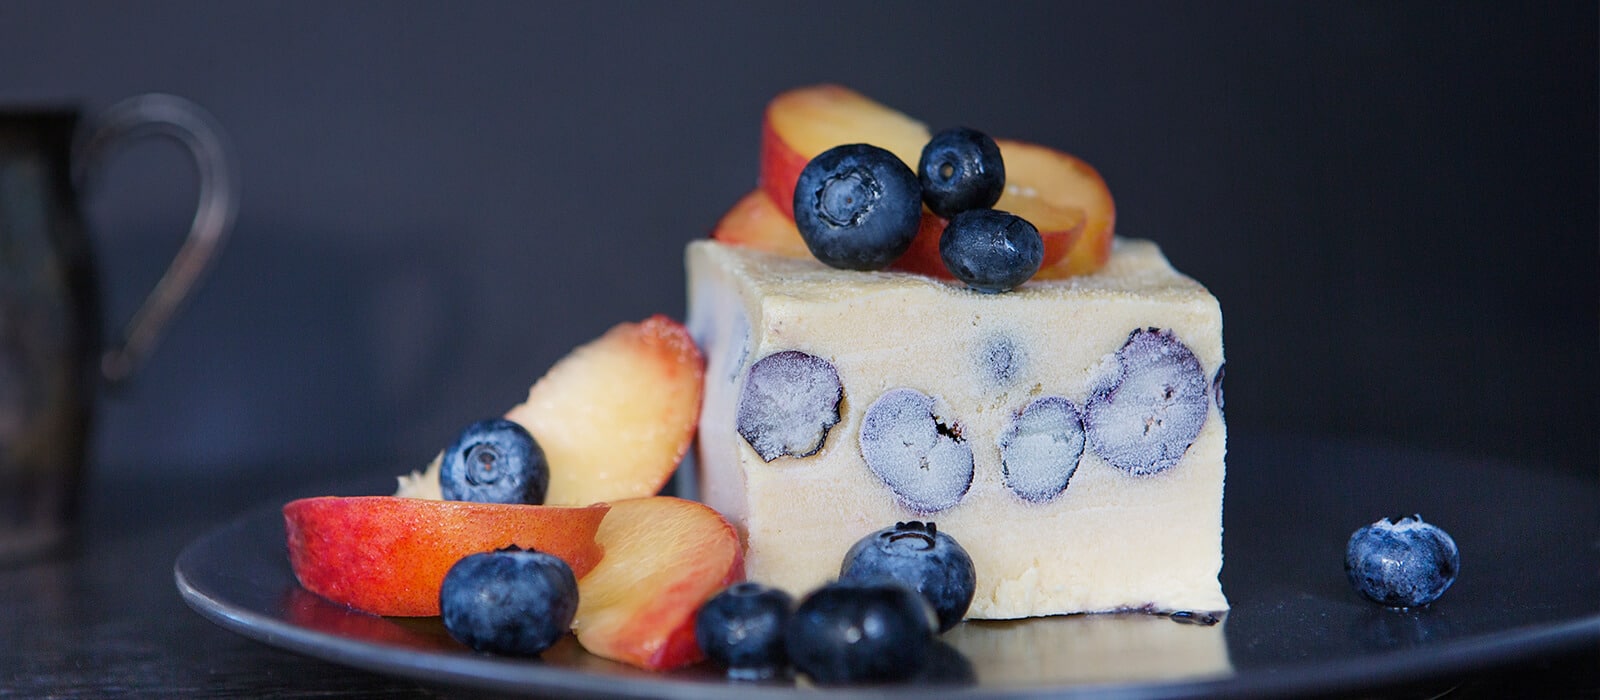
1529 587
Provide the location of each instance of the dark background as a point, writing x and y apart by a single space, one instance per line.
1395 202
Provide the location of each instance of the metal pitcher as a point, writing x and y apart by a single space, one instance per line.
52 359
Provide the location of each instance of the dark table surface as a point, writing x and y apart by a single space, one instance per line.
105 619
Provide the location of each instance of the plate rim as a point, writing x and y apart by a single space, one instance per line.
1474 654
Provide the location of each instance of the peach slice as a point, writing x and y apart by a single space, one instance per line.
802 123
755 222
387 555
1059 194
616 415
1047 185
664 557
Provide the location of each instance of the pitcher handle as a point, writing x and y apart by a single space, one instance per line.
186 122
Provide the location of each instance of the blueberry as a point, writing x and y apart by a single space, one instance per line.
494 461
917 555
961 169
1040 450
992 251
857 207
1001 360
1148 405
1402 564
741 629
921 458
509 601
789 402
853 632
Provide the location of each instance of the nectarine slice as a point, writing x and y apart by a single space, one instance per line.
802 123
616 415
1047 185
755 222
664 557
387 555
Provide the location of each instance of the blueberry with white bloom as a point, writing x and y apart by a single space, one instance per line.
509 601
1402 564
494 461
918 555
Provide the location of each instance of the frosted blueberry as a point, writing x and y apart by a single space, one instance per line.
1041 448
923 459
789 402
1148 405
920 556
1401 564
1001 360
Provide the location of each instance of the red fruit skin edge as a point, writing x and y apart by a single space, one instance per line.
778 158
672 339
366 545
680 648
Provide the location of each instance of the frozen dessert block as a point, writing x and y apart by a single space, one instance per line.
1069 433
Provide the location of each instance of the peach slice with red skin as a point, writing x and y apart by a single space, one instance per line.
802 123
665 556
617 414
1044 184
755 222
1059 194
387 555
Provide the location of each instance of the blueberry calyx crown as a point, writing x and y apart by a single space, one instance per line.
844 198
494 460
481 459
916 530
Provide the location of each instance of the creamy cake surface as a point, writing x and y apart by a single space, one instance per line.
1068 433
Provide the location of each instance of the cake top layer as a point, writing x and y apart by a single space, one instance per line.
1137 269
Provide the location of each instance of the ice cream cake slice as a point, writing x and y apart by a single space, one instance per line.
1069 433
